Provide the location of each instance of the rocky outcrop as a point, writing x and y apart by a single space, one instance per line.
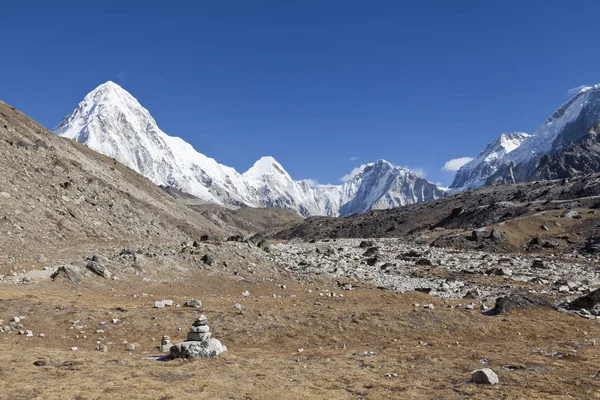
579 158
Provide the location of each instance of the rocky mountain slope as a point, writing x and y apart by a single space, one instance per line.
557 212
524 157
112 122
59 197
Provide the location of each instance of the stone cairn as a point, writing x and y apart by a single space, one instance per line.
199 342
165 344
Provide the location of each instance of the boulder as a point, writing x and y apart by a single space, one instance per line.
371 251
590 300
497 235
99 269
67 272
485 376
366 243
592 245
423 262
193 303
264 245
507 303
235 238
191 349
478 234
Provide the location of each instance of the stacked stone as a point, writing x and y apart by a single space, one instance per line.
199 342
165 344
200 331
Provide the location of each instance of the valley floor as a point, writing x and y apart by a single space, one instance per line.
293 339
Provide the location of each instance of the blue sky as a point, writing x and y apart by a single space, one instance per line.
323 86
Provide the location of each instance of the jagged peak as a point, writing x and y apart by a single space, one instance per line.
265 165
112 93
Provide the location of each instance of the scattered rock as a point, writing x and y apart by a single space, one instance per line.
102 347
485 376
193 303
505 304
208 259
371 251
68 273
99 269
497 235
163 303
588 301
572 214
264 246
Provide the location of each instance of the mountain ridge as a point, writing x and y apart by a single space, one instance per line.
111 121
567 125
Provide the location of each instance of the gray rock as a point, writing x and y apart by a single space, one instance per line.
67 272
590 300
539 264
100 259
485 376
479 234
4 195
497 235
238 306
193 303
200 329
99 269
505 304
208 259
572 214
191 349
198 336
102 347
563 289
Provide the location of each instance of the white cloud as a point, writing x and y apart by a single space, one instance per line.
456 163
420 172
121 78
353 158
353 173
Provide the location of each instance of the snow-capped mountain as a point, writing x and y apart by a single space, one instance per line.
568 124
112 122
382 185
476 171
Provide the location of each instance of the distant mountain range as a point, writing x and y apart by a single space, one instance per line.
566 145
112 122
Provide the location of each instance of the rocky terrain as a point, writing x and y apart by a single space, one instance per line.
490 293
559 216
